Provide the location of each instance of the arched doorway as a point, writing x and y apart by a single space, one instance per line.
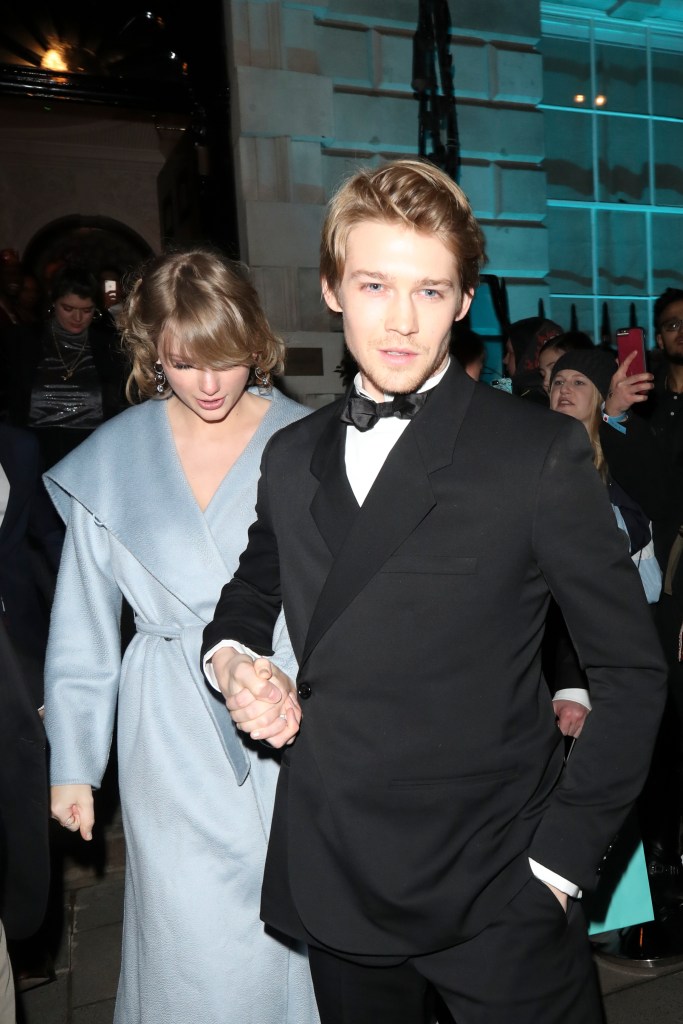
94 242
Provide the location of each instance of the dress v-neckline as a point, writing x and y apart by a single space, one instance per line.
243 454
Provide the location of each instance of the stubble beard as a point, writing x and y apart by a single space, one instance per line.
402 382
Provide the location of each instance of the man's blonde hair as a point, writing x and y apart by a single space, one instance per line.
205 306
410 192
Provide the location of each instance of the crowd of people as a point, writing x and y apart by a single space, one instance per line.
364 638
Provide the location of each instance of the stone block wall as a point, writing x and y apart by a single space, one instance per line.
56 166
320 89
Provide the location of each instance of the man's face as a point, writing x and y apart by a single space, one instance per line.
399 297
670 332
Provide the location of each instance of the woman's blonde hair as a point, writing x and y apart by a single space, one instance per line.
409 192
205 306
593 428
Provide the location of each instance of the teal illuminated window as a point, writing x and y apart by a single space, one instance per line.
613 106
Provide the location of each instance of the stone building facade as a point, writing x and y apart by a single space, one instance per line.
320 89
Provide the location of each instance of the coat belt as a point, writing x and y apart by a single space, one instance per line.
191 643
168 632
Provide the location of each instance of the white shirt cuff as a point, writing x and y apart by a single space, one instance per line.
576 694
546 875
208 667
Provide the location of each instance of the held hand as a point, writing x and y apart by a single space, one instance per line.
570 717
73 808
625 391
260 697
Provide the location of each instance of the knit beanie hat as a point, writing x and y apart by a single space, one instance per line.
596 364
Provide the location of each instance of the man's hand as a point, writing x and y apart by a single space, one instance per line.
73 808
260 697
562 897
570 717
625 391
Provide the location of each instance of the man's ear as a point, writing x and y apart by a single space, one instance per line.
330 297
660 343
465 305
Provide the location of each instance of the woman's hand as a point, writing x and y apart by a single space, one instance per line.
73 807
260 697
625 391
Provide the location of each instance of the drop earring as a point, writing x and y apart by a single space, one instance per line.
160 378
263 380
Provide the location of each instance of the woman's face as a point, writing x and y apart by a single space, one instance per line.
575 395
209 394
546 361
74 314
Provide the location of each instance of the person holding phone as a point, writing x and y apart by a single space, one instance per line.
663 391
643 441
157 505
580 383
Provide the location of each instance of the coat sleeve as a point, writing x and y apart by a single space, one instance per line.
598 590
83 662
250 603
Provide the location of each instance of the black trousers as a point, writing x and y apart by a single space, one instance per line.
531 966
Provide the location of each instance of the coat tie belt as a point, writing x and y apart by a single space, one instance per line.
190 637
168 632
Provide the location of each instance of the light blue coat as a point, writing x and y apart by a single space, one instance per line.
196 801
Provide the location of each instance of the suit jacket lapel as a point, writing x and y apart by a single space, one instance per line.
334 506
399 500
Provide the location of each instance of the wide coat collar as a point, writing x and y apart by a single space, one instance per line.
135 453
362 539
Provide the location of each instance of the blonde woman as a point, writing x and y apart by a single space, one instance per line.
580 383
157 505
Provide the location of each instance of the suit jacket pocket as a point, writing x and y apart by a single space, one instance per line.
456 780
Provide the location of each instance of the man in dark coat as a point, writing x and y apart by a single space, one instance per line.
30 544
24 817
642 437
31 537
425 831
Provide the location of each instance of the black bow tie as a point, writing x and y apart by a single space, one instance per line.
362 413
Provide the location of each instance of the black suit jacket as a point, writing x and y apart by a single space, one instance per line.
24 817
429 766
30 545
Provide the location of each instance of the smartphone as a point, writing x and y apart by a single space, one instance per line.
632 339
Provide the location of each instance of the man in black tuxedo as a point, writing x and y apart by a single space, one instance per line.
425 830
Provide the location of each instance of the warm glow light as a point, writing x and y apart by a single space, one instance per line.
579 98
600 100
53 61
